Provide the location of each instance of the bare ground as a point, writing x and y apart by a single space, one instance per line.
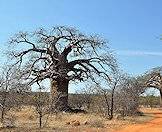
154 125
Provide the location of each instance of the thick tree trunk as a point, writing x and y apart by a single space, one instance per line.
59 94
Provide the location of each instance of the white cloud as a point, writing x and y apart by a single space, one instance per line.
138 53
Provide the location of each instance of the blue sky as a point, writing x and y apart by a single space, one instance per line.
132 27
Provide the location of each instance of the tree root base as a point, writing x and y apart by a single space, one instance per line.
71 110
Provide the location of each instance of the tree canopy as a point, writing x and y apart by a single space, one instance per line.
61 52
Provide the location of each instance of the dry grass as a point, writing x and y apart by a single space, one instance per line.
27 121
98 123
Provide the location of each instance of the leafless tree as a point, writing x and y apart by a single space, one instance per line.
127 96
103 100
153 79
41 103
10 89
6 80
61 54
108 93
117 80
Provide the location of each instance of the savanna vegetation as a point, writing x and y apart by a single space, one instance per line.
62 55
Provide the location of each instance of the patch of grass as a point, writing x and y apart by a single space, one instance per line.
139 119
26 120
96 123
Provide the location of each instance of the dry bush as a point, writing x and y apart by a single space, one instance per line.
9 121
81 99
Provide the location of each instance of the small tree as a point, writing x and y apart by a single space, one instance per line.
6 88
127 96
41 102
103 98
108 94
117 80
10 89
44 105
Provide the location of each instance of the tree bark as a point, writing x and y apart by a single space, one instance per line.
59 94
107 104
112 103
160 97
40 120
3 105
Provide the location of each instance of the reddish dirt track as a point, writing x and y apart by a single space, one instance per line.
154 125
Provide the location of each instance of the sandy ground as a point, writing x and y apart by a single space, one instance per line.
154 125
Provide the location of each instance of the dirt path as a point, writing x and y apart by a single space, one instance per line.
154 125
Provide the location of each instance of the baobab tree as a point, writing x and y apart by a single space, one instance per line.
61 54
153 79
